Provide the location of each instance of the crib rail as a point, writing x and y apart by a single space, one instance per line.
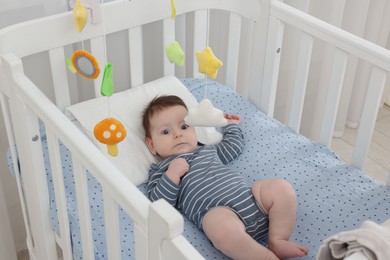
148 217
139 13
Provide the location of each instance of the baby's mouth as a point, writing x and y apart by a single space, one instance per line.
179 144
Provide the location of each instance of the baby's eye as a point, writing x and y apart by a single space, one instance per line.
185 126
165 131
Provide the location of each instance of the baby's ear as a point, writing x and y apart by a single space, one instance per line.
149 144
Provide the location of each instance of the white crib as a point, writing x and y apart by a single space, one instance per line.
251 67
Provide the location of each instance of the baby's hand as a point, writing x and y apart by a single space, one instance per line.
177 169
232 119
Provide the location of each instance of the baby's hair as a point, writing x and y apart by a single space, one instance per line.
156 105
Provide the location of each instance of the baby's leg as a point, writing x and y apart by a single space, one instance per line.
227 233
277 198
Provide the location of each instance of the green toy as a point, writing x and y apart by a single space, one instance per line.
107 87
175 53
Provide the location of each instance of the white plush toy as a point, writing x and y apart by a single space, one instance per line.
205 115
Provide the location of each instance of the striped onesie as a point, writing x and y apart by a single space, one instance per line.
209 183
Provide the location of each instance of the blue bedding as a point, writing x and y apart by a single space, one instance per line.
332 196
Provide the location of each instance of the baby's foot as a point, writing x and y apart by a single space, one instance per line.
286 249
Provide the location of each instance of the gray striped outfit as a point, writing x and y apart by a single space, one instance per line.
209 183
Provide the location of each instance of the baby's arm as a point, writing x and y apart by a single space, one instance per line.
165 184
176 170
233 140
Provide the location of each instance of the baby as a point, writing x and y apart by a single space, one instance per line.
194 178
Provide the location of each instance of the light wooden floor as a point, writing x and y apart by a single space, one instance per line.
378 162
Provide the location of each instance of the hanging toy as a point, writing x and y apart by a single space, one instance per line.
110 131
70 65
80 15
173 7
94 7
175 53
207 62
107 88
85 64
205 115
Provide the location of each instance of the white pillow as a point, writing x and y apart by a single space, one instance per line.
127 106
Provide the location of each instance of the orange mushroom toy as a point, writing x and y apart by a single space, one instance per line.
110 131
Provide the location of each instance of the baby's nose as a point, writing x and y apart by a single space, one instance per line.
178 134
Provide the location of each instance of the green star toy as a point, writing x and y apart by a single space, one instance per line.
175 53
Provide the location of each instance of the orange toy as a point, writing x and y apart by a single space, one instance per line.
80 57
110 131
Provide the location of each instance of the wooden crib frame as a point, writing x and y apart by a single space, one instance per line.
158 227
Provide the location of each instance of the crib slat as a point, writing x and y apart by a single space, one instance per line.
111 222
200 37
141 242
341 120
169 37
60 78
25 124
339 66
180 31
242 84
136 56
60 196
98 49
368 118
12 147
80 179
233 50
271 66
300 83
37 167
256 54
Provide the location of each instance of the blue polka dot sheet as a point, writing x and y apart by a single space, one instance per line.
332 196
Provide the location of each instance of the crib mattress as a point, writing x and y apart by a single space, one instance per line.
332 196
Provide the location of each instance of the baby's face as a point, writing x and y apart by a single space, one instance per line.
170 135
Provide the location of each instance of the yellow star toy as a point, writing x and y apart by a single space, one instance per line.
80 15
207 62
